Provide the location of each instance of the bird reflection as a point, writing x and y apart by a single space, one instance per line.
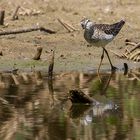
88 112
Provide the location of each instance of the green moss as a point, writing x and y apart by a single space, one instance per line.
22 64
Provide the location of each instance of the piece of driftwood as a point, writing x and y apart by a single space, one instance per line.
77 96
67 26
15 14
51 65
133 53
38 53
27 29
2 14
136 45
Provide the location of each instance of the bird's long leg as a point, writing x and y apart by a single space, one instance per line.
112 67
102 57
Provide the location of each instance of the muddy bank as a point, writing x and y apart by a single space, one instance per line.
71 51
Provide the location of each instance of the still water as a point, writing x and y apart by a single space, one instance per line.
35 108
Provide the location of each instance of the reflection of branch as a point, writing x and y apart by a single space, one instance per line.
51 90
50 76
50 86
51 65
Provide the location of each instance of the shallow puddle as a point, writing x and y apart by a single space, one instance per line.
33 107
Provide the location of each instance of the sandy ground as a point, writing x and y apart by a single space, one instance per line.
71 51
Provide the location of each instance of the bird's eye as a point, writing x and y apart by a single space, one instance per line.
82 25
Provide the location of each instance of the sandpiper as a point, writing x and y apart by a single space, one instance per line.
100 35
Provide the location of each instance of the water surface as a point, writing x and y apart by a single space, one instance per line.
33 107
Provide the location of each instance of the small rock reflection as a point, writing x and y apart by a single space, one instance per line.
33 107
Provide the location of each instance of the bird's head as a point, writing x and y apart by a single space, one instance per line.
84 22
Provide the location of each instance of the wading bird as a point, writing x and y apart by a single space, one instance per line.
100 35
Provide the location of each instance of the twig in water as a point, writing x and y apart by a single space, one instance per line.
51 65
125 68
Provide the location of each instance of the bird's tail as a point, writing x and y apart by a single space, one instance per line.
117 26
120 24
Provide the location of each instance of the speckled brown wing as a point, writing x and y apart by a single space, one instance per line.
111 29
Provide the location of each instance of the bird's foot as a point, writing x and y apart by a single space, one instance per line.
113 68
